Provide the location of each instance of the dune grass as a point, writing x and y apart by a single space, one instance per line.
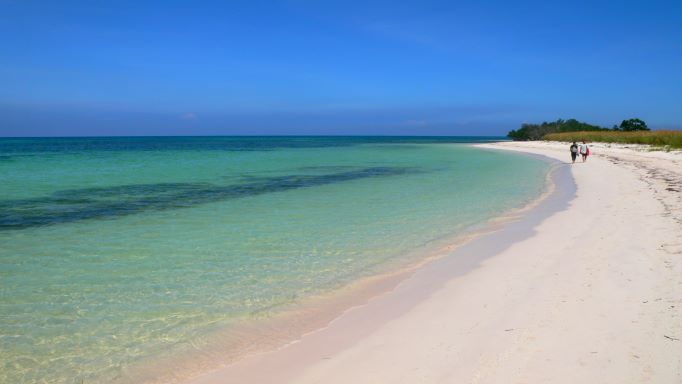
669 139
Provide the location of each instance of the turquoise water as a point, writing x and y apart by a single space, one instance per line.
116 250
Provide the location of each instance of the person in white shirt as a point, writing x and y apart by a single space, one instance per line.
584 151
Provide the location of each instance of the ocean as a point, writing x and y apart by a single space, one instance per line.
116 251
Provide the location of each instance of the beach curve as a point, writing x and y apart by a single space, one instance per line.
589 296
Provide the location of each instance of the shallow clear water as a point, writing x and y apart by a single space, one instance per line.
113 250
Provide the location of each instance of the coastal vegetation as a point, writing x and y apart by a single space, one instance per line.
631 125
670 139
537 131
630 131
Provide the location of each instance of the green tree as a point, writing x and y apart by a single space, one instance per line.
633 125
537 131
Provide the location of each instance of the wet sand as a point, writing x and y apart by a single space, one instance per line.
586 286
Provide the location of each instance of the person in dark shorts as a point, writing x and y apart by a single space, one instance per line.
574 151
584 151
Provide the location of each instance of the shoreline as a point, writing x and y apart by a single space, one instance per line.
425 276
587 296
294 323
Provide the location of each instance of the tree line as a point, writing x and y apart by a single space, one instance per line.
537 131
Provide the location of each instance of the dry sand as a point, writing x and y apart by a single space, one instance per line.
591 293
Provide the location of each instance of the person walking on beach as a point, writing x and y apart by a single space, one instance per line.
584 151
574 151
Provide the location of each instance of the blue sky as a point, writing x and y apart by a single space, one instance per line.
334 67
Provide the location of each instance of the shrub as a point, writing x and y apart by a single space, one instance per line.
673 139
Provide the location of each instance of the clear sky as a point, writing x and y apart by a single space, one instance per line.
334 67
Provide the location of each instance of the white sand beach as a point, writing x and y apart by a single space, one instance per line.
590 293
